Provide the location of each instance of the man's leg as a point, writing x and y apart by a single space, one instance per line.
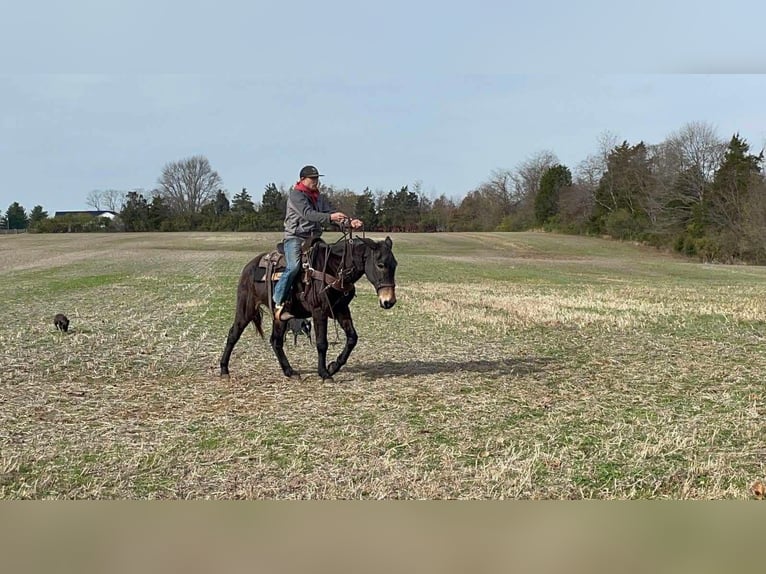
292 269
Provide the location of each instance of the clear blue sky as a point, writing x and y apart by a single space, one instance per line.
102 95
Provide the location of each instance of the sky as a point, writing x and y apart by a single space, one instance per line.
99 96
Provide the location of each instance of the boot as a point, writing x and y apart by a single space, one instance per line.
282 314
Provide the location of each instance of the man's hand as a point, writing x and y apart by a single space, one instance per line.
342 218
338 217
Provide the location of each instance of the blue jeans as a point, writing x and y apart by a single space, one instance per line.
293 260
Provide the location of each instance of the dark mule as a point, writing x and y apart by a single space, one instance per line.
324 291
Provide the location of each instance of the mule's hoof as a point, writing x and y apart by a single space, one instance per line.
291 374
224 375
332 368
296 377
328 380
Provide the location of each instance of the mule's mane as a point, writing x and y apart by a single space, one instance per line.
340 248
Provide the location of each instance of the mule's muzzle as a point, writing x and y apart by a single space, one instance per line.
387 297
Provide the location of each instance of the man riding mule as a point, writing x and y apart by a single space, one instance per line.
306 212
330 272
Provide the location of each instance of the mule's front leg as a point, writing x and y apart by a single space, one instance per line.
320 333
344 318
277 339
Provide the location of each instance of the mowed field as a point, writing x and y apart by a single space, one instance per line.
514 365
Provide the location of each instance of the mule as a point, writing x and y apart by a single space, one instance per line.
327 282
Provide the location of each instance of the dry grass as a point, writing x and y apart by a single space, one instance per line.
514 366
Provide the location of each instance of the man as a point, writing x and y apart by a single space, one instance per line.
305 214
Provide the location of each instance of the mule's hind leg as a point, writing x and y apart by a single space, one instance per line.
278 329
251 294
234 334
247 310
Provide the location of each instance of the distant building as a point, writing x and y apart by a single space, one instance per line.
94 213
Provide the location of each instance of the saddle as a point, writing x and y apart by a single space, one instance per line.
273 264
270 265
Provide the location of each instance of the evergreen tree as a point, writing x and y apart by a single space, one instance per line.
221 205
135 212
37 215
551 183
158 214
400 211
731 184
242 202
621 199
365 209
727 215
16 217
272 211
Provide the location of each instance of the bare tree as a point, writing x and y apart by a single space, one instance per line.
113 199
699 150
442 210
341 199
590 170
485 207
526 183
94 198
526 178
690 158
684 167
107 199
188 184
501 184
576 206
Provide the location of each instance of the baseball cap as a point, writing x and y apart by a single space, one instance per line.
310 171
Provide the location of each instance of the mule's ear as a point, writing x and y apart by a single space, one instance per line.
389 242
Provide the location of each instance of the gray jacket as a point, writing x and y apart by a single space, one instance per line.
304 219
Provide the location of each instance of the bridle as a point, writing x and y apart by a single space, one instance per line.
347 236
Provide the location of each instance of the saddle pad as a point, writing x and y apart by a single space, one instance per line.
259 274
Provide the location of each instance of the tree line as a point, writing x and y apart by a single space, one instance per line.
694 192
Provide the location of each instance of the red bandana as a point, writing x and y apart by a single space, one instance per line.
313 194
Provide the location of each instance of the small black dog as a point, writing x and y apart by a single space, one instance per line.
61 322
298 326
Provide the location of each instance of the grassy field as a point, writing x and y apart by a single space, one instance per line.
515 365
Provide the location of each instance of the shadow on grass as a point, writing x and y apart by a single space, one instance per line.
510 366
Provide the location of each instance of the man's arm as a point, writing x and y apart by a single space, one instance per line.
302 205
336 216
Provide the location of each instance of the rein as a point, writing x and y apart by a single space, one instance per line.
331 281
